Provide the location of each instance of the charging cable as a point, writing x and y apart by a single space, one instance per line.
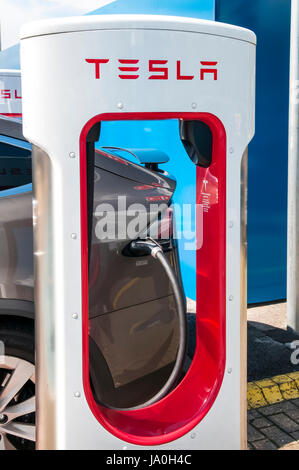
150 246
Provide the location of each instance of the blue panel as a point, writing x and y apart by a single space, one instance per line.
268 153
191 8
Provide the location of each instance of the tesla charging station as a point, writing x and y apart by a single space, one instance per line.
77 73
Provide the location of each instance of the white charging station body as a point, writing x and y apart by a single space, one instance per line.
79 70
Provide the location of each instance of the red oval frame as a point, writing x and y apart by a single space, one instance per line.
181 410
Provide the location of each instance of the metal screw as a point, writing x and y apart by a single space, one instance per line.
120 105
75 316
193 435
77 394
231 224
72 155
74 236
229 371
231 150
231 297
194 105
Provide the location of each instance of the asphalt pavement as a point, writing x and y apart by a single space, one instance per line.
270 342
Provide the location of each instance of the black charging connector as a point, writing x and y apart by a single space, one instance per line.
145 247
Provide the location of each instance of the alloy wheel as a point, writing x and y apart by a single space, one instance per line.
17 404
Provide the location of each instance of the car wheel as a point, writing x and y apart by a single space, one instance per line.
17 387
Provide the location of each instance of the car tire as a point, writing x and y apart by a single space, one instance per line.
17 385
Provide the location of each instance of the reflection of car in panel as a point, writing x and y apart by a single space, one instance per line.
137 352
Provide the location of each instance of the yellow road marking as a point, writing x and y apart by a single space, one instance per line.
282 379
289 391
274 390
255 396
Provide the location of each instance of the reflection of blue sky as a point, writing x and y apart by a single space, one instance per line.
163 135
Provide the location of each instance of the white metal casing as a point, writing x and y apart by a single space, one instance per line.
60 95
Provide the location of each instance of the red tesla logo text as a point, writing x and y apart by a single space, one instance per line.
129 69
8 94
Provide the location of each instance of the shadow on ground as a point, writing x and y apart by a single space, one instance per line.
270 351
